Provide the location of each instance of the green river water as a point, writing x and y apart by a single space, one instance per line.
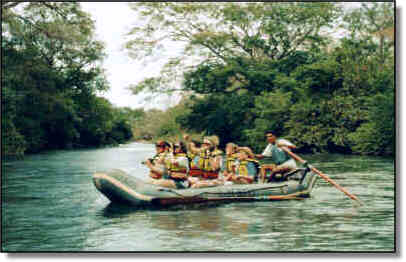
49 203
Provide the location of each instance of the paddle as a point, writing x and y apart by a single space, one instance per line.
325 177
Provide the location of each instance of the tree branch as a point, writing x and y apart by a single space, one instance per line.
9 4
54 8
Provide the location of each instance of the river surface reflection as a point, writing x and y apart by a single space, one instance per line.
49 203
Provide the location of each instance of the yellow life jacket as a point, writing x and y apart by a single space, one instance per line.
230 162
204 159
190 155
216 152
243 169
174 168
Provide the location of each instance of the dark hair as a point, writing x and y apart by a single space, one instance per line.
182 146
197 143
274 132
162 143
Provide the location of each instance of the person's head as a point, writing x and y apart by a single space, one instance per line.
271 136
230 148
197 144
161 146
208 143
243 154
179 147
215 139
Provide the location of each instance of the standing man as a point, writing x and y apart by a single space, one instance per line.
283 163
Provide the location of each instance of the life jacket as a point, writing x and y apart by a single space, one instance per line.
204 159
194 169
242 169
204 168
174 168
210 174
190 155
229 162
278 155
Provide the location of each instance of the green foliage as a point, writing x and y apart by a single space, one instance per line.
271 111
234 41
377 136
50 78
209 78
337 100
223 115
247 67
319 79
156 124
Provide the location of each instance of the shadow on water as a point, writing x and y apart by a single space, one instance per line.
117 209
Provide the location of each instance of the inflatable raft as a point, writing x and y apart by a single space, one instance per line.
120 187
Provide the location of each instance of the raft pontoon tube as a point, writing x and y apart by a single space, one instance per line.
120 187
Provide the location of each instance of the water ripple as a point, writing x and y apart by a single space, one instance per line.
50 204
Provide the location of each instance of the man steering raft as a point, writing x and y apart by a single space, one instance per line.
283 163
171 169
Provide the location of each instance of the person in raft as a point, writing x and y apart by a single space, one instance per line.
283 163
193 168
206 164
245 170
162 150
171 171
230 160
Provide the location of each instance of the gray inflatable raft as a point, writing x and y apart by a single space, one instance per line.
120 187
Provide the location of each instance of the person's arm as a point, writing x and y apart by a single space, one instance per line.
180 162
247 179
155 172
267 153
248 149
288 146
154 175
285 143
259 156
216 162
190 144
148 163
229 177
194 149
178 175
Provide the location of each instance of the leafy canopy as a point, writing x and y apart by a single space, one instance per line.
230 36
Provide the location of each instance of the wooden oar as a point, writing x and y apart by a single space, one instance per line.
325 177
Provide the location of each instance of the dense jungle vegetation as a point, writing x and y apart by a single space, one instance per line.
321 74
51 73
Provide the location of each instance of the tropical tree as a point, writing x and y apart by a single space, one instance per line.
226 41
51 76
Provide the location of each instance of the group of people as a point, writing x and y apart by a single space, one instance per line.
193 164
